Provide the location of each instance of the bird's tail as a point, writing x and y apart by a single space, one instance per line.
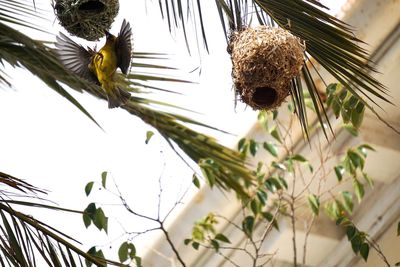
116 96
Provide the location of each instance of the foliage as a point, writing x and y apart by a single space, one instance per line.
222 165
328 40
267 193
279 191
27 241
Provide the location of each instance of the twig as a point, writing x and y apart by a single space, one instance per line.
377 248
171 244
306 239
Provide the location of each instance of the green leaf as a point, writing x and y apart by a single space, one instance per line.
254 207
196 181
196 245
262 196
271 148
397 264
275 134
88 188
90 210
339 171
350 232
138 262
332 210
270 218
364 251
348 166
187 241
275 114
149 135
299 158
351 129
346 115
336 107
248 225
103 179
342 95
100 220
331 88
278 165
131 250
357 160
215 244
100 255
350 103
348 201
241 144
283 182
313 201
253 147
289 165
222 238
368 179
263 119
356 243
123 252
359 189
398 229
91 251
363 149
273 184
86 220
357 115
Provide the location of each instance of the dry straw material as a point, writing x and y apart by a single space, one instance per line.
88 19
264 61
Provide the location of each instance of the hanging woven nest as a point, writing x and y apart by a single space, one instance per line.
264 61
88 19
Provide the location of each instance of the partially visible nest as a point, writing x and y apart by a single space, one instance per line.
264 61
88 19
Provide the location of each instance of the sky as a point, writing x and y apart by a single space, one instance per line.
49 143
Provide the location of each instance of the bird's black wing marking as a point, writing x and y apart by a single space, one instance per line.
124 47
75 57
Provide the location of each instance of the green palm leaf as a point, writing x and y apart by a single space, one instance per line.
329 41
227 168
26 241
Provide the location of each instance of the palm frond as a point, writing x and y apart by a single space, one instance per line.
228 169
18 184
26 241
19 50
330 41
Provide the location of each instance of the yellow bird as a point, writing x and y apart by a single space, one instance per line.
100 67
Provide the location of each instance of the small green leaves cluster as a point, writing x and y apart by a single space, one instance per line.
204 232
341 205
96 215
357 238
95 253
343 103
246 146
127 253
352 165
92 213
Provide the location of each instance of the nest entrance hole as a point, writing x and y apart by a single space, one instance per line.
92 6
264 96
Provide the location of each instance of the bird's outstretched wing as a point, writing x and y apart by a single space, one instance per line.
75 57
124 47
